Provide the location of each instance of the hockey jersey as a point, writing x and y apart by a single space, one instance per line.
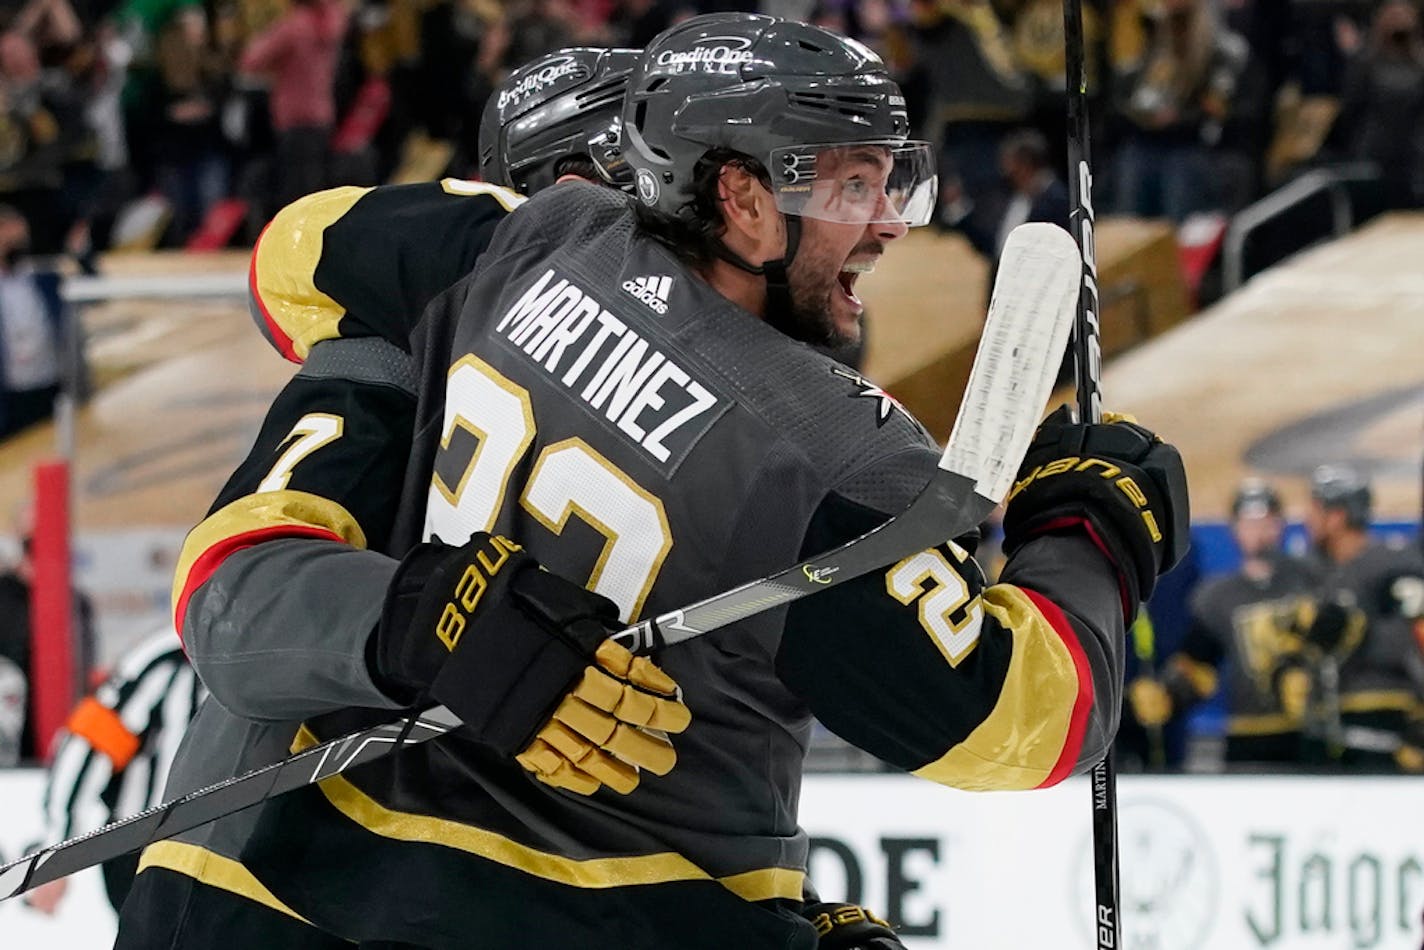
357 262
1241 631
583 392
1379 684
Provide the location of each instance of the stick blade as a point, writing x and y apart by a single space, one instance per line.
1025 336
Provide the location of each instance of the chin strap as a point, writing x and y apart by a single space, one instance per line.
778 284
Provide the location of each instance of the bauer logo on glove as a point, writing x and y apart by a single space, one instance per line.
1117 482
522 657
470 588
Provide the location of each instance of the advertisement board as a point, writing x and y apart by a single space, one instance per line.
1208 863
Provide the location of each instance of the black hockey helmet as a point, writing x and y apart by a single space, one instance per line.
565 103
1255 498
781 92
1339 487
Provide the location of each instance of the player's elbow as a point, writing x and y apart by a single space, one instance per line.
1052 714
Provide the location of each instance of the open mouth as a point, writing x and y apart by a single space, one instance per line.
848 276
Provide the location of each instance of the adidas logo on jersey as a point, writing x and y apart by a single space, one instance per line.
652 290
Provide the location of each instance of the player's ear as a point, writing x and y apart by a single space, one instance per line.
755 229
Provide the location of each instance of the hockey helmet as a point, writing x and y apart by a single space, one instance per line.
1255 498
565 103
818 110
1339 487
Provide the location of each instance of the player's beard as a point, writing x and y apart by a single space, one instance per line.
814 278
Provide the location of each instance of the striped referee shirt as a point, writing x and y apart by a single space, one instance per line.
119 742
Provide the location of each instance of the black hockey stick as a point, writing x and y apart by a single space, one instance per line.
1087 365
1014 368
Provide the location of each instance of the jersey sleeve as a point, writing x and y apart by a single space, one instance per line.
279 587
365 262
1014 685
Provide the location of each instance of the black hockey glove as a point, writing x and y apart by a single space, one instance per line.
522 657
1331 626
1115 480
849 927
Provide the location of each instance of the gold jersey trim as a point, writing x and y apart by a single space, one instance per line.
259 515
1264 724
591 873
1020 741
214 870
284 267
1378 700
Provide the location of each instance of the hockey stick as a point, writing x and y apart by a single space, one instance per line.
1014 368
1087 365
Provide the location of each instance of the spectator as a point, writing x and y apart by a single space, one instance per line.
102 77
976 92
1240 630
192 170
298 54
16 636
1382 112
1031 192
41 130
1037 31
32 325
113 756
1363 663
1177 103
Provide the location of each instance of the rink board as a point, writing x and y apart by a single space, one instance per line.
1226 863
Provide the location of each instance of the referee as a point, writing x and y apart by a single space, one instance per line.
114 754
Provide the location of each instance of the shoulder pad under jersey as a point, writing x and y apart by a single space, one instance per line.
361 262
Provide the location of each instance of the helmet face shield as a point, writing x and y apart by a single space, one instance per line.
891 182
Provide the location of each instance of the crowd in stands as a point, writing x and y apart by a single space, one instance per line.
189 122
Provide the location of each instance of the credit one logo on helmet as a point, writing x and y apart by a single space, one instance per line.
540 80
713 54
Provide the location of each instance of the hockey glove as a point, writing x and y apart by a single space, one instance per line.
1326 626
1151 703
522 657
1116 481
849 927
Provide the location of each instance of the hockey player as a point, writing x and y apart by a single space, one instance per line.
338 280
340 276
1364 657
747 450
1242 627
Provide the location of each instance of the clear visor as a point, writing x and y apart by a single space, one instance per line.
859 183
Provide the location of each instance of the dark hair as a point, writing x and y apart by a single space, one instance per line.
576 164
694 234
1028 145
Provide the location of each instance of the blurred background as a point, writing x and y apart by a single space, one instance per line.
1258 173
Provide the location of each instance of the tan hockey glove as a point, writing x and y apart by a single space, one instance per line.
610 725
